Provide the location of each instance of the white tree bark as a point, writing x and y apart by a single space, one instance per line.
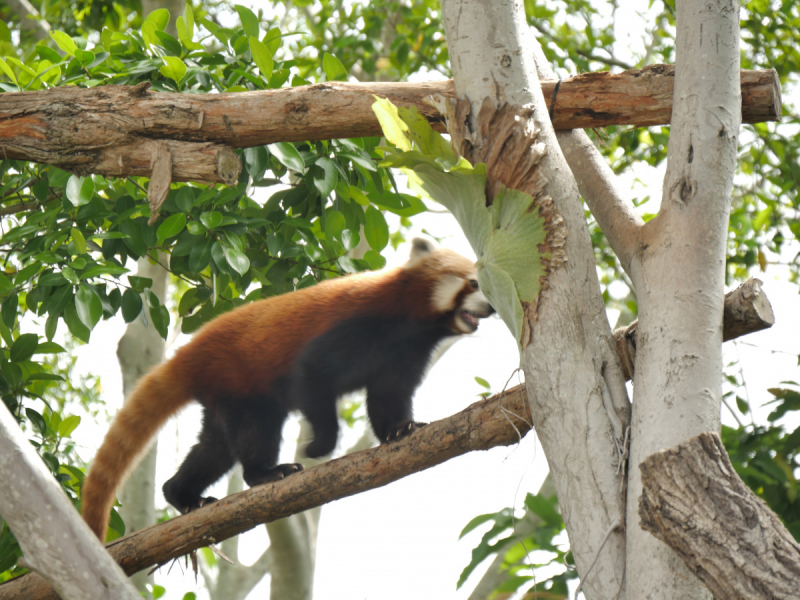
139 350
55 541
30 19
572 373
678 271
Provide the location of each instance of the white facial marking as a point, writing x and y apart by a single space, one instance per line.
446 291
477 302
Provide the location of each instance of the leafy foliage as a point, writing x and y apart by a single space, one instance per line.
767 457
290 221
531 553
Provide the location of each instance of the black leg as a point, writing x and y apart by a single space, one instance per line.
316 399
389 410
208 460
254 428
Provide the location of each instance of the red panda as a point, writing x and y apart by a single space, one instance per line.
300 351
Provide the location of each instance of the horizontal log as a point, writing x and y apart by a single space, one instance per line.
693 501
107 129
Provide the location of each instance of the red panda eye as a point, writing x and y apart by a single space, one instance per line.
474 283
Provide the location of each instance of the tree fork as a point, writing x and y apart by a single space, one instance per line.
111 130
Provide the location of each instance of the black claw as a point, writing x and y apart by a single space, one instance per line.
403 430
199 504
274 474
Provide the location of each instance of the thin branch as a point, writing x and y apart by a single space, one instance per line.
614 212
17 208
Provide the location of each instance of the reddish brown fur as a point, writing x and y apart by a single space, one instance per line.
243 353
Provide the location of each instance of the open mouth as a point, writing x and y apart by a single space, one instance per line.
470 318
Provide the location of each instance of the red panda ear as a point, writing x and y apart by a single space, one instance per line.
420 247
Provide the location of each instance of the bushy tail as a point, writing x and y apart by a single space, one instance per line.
154 400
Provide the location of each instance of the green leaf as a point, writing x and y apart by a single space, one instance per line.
185 197
196 228
334 224
149 33
334 69
350 239
140 283
9 310
200 255
5 284
174 68
249 20
159 18
131 305
80 190
394 128
212 219
325 181
374 260
89 306
288 156
64 42
483 383
74 323
24 347
69 274
236 259
44 377
275 242
375 229
359 196
68 425
103 270
7 71
37 420
159 315
171 227
262 57
49 348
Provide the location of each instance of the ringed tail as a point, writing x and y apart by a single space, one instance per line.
156 398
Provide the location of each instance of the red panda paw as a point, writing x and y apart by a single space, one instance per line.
402 430
201 502
274 474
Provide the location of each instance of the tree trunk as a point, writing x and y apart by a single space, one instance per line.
678 271
140 349
55 541
572 374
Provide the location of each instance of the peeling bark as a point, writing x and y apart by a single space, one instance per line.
693 501
109 130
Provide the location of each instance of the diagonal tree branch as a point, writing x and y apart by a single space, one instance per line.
497 421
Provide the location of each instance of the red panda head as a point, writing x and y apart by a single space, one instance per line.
451 285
